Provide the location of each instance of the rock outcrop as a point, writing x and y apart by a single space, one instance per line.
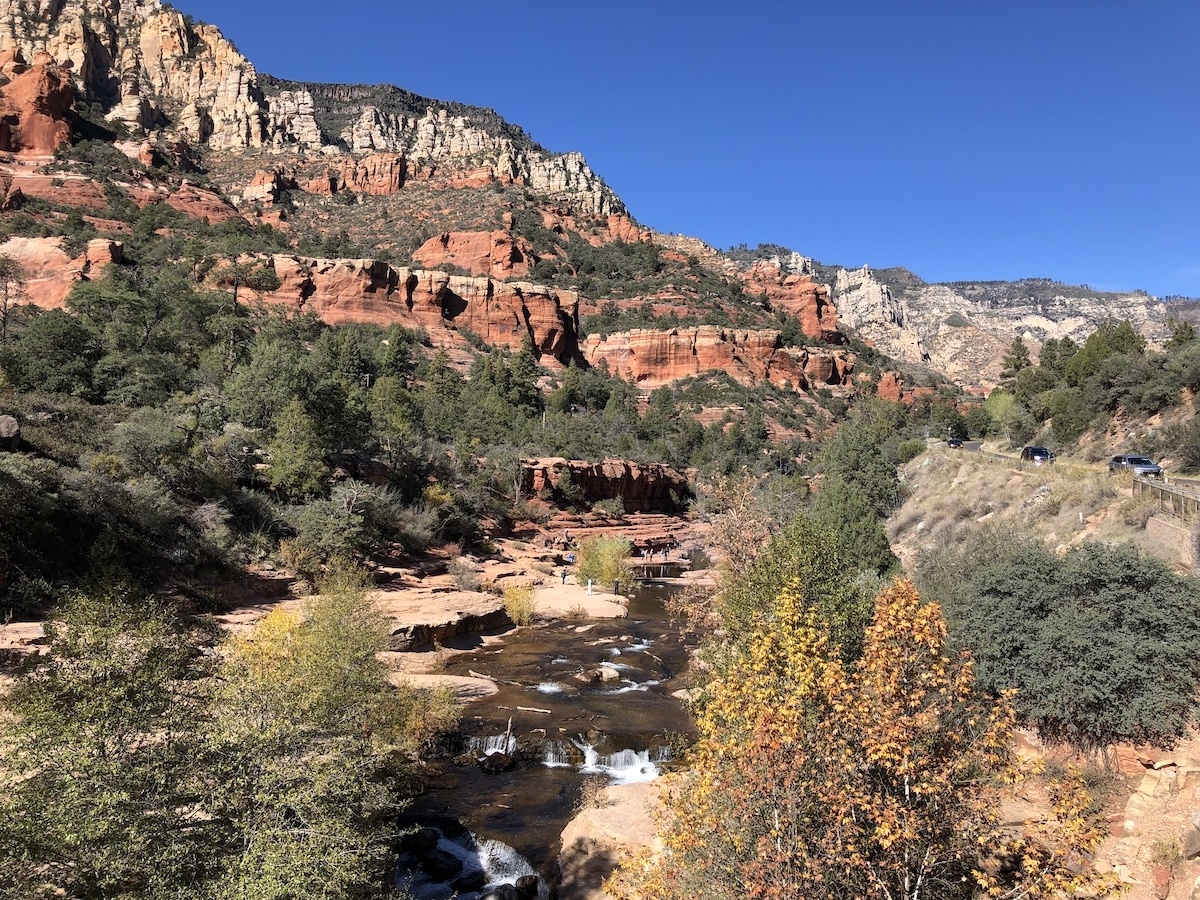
146 64
438 139
797 295
641 487
366 290
152 69
654 358
963 330
35 108
50 272
495 253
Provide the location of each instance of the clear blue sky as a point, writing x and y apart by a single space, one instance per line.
978 139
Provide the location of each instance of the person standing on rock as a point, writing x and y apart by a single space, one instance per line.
564 574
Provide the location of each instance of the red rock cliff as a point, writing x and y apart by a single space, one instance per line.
641 487
35 108
798 295
654 358
367 290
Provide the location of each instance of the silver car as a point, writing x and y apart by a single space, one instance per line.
1138 465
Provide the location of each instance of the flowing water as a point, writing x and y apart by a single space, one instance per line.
565 727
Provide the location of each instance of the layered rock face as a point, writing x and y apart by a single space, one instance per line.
145 64
150 67
964 330
367 290
50 272
642 487
34 108
437 138
654 358
798 295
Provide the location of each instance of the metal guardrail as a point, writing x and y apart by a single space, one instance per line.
1181 501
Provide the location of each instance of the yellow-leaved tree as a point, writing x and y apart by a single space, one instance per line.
814 778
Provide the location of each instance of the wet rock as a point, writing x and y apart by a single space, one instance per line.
441 865
608 674
469 881
420 841
501 892
497 762
527 887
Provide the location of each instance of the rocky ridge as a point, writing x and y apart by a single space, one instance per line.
151 69
963 330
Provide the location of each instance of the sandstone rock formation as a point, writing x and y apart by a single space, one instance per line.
642 487
653 358
496 253
437 139
964 330
35 108
620 823
797 295
151 68
365 290
143 61
50 272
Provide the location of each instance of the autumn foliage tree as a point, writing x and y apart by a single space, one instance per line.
818 779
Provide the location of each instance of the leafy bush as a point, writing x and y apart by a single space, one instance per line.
1103 644
603 559
520 602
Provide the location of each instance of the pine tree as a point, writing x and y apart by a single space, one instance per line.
1015 359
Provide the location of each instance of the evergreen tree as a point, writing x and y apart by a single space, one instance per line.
297 460
1015 359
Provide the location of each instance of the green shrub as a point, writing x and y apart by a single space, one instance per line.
910 449
603 559
520 602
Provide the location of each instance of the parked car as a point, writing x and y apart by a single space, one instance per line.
1037 455
1138 465
954 444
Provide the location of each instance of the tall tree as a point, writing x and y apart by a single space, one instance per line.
102 756
12 289
813 779
1015 359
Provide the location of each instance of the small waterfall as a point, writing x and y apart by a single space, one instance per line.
550 687
622 767
556 756
499 863
629 687
493 743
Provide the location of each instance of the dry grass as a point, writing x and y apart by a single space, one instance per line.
952 491
591 794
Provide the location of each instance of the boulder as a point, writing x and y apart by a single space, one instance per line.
501 892
468 882
10 433
440 865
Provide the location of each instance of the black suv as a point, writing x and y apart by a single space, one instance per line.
1037 455
1138 465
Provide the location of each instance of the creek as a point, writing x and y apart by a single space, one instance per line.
520 784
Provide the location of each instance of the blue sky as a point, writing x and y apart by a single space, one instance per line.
963 140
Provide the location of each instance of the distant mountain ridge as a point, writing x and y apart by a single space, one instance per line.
150 72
